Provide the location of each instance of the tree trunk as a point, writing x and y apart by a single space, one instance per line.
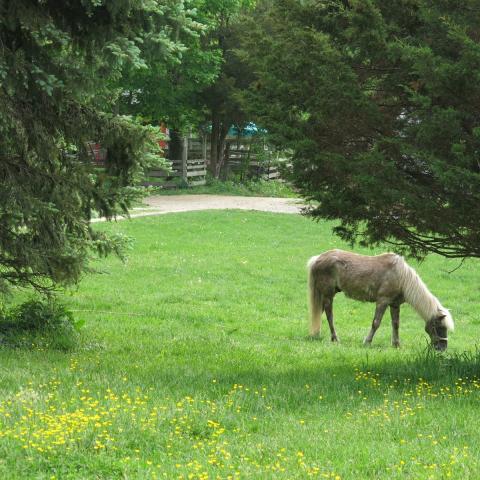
221 148
175 145
226 158
214 142
185 159
220 127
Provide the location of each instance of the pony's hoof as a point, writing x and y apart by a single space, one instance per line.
367 342
335 339
313 338
396 344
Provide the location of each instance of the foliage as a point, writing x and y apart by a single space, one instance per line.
169 89
174 91
38 314
263 156
46 323
222 97
57 64
235 186
379 102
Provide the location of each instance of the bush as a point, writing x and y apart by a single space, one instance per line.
40 323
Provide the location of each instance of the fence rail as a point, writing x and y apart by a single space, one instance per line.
255 169
241 160
194 174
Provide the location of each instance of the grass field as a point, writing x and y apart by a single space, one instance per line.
194 364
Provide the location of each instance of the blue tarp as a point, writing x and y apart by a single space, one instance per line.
248 131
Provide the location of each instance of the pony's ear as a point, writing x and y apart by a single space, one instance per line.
446 319
442 313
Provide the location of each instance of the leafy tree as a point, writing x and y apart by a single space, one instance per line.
199 86
379 102
222 97
57 64
170 89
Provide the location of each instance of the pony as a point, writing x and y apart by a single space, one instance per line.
385 279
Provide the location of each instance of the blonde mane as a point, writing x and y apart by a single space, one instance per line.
419 296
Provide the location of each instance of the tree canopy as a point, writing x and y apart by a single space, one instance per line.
169 89
58 63
380 103
197 88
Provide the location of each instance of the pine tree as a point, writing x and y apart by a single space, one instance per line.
58 61
380 103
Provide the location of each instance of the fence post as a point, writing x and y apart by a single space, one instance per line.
185 158
204 147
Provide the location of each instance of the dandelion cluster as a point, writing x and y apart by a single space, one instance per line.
198 437
225 430
416 396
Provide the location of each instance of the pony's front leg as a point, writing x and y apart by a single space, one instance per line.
377 319
395 314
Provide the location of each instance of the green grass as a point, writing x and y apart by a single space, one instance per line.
194 363
248 188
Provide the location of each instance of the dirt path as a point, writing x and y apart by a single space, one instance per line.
183 203
161 204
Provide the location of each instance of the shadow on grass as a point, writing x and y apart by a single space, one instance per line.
425 363
207 368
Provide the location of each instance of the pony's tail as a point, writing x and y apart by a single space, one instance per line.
315 300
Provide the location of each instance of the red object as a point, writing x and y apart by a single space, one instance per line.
163 143
99 154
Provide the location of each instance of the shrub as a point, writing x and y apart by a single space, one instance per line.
44 323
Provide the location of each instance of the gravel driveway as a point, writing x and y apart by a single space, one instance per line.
184 203
161 204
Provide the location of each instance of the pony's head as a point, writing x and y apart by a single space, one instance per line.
437 327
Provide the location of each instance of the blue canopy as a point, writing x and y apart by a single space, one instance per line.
249 130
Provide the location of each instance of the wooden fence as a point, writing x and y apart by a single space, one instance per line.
243 162
256 170
190 170
192 173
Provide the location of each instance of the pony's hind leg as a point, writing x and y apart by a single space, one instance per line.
329 313
315 301
316 311
377 319
395 314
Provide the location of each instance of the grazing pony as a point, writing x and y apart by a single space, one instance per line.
384 279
